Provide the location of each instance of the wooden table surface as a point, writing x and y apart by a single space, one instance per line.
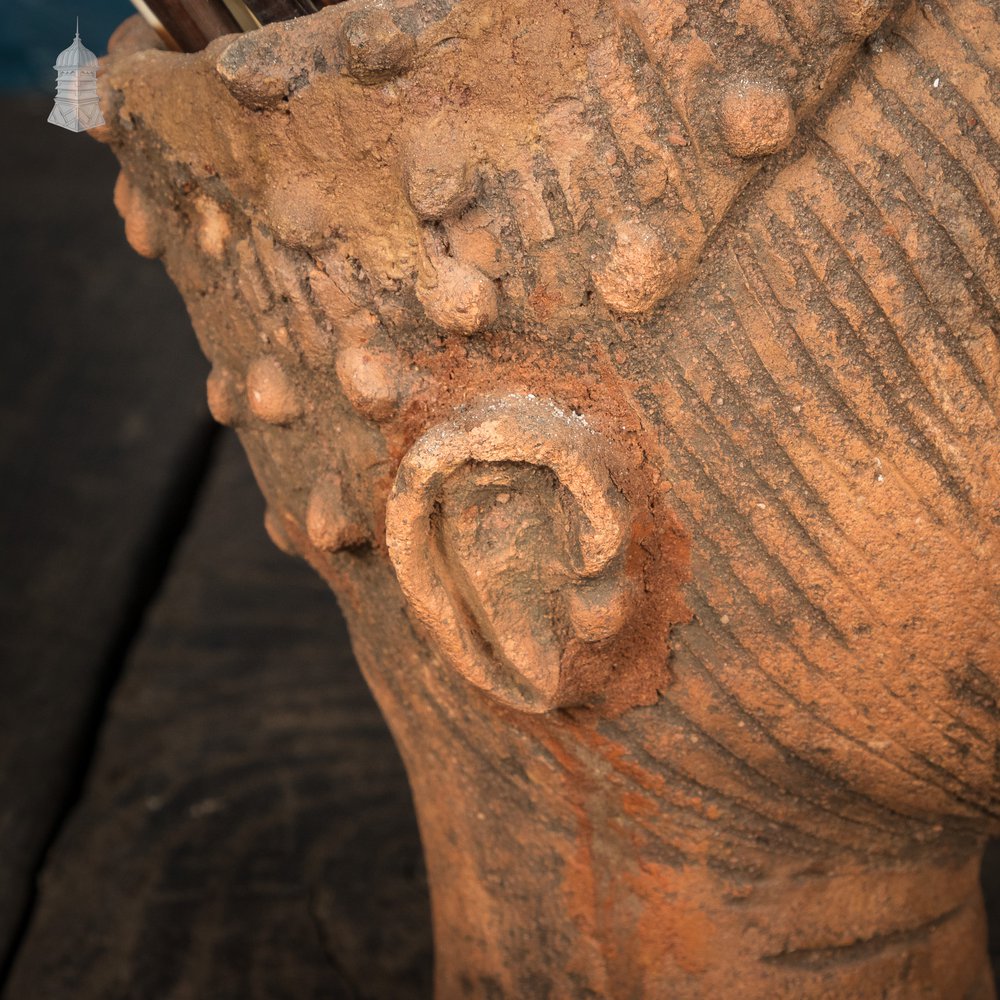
199 797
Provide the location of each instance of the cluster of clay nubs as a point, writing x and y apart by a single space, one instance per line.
751 117
646 259
648 253
440 177
440 183
268 395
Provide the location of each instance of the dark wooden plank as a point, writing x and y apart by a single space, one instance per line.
100 411
990 881
247 828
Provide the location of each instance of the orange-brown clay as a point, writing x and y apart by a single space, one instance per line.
630 370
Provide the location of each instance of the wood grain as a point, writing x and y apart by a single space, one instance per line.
246 830
101 410
193 25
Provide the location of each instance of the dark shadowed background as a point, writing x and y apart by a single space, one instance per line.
33 32
199 798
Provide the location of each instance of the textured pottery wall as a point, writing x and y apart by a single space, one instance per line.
630 370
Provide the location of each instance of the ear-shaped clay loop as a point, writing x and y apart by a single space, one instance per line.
524 667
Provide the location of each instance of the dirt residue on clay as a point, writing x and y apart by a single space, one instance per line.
691 642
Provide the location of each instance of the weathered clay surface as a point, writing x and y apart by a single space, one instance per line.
631 372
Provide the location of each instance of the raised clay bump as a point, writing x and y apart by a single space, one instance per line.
460 299
862 17
224 399
756 118
271 395
641 270
331 523
374 47
141 225
370 380
440 181
254 74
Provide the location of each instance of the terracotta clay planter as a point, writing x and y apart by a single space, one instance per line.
630 371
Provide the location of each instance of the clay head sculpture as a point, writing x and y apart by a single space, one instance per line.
631 373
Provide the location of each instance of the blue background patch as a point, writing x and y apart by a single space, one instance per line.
34 32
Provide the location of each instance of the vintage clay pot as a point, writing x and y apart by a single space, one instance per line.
630 370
